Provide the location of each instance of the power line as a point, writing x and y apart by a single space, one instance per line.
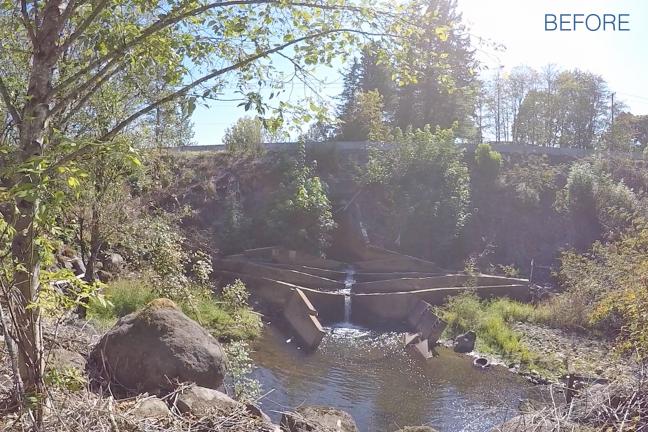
634 96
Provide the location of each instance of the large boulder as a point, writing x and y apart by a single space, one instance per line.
151 407
205 402
113 262
202 401
154 349
62 360
465 343
318 419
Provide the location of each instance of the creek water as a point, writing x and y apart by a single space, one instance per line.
369 374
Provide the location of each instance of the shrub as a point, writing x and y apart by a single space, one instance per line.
300 216
531 180
239 365
487 163
605 290
235 296
426 183
70 379
594 199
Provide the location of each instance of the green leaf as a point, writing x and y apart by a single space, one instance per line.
73 182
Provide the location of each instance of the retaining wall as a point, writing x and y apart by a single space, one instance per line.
371 277
277 273
336 275
275 294
396 306
402 263
284 256
444 281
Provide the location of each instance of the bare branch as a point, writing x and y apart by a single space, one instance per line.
67 13
27 23
182 91
84 25
6 98
185 89
98 77
91 92
171 19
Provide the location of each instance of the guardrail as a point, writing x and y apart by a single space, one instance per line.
363 146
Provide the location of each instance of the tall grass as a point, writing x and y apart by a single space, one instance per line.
123 296
225 322
491 321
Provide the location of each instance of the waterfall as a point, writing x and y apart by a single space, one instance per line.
347 308
348 283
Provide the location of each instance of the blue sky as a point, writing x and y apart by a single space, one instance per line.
620 57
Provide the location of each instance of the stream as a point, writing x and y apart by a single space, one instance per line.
368 374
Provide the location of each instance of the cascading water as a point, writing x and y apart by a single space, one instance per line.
348 283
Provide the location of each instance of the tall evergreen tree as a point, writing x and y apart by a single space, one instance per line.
446 90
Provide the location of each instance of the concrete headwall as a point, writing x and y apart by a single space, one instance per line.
325 273
277 273
445 281
397 263
396 306
371 277
284 256
425 322
275 295
302 317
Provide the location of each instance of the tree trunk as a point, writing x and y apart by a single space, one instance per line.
32 129
28 318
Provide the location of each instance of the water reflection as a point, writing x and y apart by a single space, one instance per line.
369 375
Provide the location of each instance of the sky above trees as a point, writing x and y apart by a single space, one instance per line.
519 27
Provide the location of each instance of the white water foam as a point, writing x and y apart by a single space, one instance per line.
348 284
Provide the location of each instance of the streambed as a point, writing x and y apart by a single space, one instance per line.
368 374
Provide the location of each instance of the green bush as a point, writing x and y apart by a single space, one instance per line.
594 198
487 163
425 184
300 215
605 291
227 316
70 379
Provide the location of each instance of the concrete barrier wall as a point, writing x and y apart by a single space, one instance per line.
302 317
425 322
275 294
445 281
277 273
396 306
284 256
339 276
371 277
401 263
354 147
